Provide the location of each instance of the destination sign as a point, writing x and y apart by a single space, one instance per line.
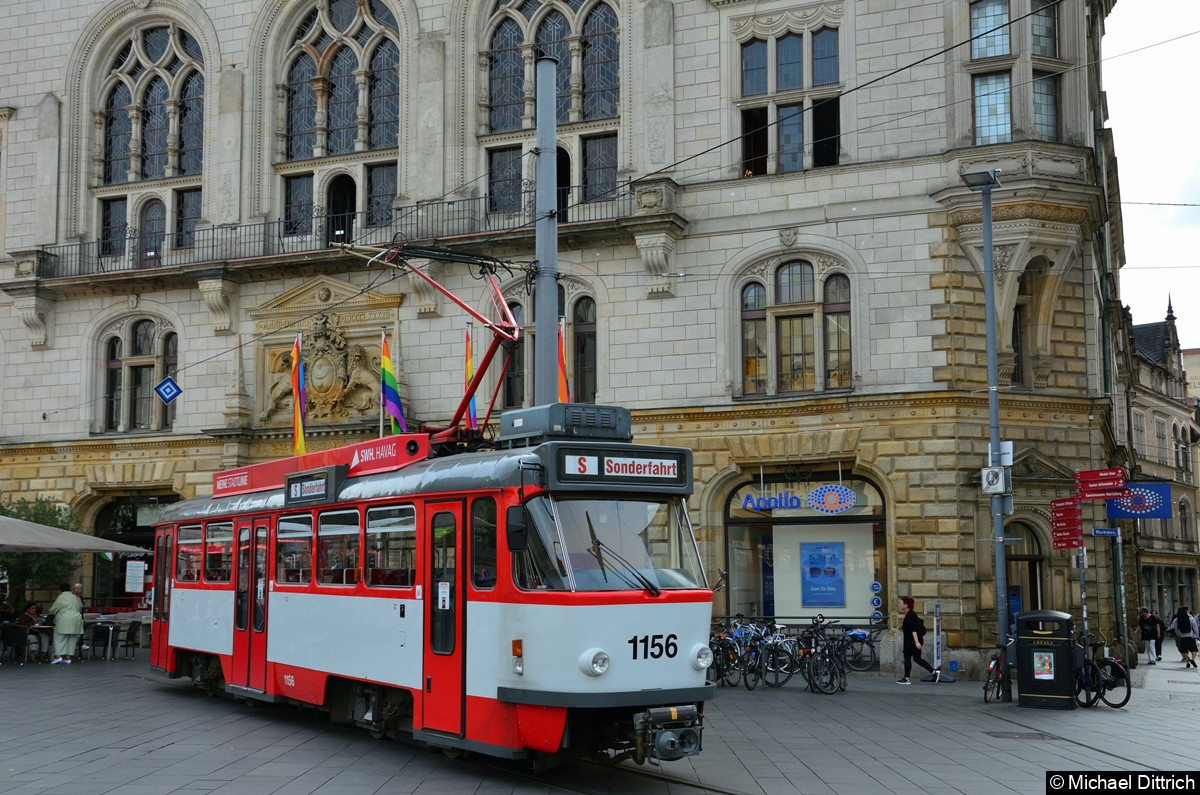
625 466
313 487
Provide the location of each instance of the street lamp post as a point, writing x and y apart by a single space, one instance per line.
984 181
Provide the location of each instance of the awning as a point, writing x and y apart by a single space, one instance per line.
19 534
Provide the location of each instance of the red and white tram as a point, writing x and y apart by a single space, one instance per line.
541 600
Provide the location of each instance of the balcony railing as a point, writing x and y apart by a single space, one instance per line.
135 251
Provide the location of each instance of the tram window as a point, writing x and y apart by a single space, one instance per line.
293 549
483 544
337 548
218 553
540 566
187 560
391 546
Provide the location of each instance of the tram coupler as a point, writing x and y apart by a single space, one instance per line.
669 733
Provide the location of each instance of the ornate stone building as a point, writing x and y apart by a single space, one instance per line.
767 253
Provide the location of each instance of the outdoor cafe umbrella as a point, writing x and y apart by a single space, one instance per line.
18 534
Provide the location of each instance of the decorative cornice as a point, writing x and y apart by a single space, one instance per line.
1024 211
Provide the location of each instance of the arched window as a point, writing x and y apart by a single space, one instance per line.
154 229
384 91
552 43
583 322
584 41
153 129
601 58
506 78
301 108
155 126
754 339
343 102
799 341
329 54
136 361
836 313
117 132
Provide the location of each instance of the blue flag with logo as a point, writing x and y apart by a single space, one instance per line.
1145 501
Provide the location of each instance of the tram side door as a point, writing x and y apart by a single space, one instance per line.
445 692
160 606
250 606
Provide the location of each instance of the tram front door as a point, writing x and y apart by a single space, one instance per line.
164 560
444 698
250 607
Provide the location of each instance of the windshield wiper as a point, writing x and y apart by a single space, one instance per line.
630 569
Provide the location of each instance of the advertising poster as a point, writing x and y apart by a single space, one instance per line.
822 575
1043 665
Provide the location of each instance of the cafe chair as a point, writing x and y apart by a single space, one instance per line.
101 638
130 639
13 643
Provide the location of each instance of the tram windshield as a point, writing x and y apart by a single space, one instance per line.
597 544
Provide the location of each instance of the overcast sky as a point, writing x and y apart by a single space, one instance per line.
1154 110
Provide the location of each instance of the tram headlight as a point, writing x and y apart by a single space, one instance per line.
702 657
594 662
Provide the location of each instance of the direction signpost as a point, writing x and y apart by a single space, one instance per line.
1066 523
1101 484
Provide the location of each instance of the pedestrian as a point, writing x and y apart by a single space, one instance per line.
1185 629
78 591
1151 627
1162 633
68 625
913 632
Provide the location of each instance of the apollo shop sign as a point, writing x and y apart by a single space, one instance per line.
832 498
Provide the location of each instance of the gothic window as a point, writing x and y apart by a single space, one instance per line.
384 91
601 58
153 128
504 180
583 39
298 201
506 78
799 340
301 108
136 359
583 361
786 100
330 52
187 213
381 192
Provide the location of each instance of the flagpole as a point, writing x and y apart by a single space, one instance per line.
383 342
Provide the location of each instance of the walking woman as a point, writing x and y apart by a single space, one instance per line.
68 625
913 630
1184 627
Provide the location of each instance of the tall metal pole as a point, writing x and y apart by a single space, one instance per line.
545 286
997 502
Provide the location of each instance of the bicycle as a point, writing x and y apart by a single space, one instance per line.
1087 675
861 653
1112 684
996 680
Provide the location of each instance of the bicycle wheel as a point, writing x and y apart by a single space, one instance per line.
991 683
860 655
1087 684
823 675
752 668
1115 677
731 668
778 665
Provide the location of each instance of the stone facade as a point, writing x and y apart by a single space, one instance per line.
890 390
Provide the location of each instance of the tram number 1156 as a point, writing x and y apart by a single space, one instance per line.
654 646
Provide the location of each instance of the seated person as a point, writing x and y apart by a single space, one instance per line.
30 618
6 611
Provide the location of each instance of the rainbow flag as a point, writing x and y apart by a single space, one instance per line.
390 392
564 387
299 402
472 420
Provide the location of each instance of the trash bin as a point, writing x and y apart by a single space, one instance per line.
1045 660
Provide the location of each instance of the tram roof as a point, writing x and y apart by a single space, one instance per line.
462 472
